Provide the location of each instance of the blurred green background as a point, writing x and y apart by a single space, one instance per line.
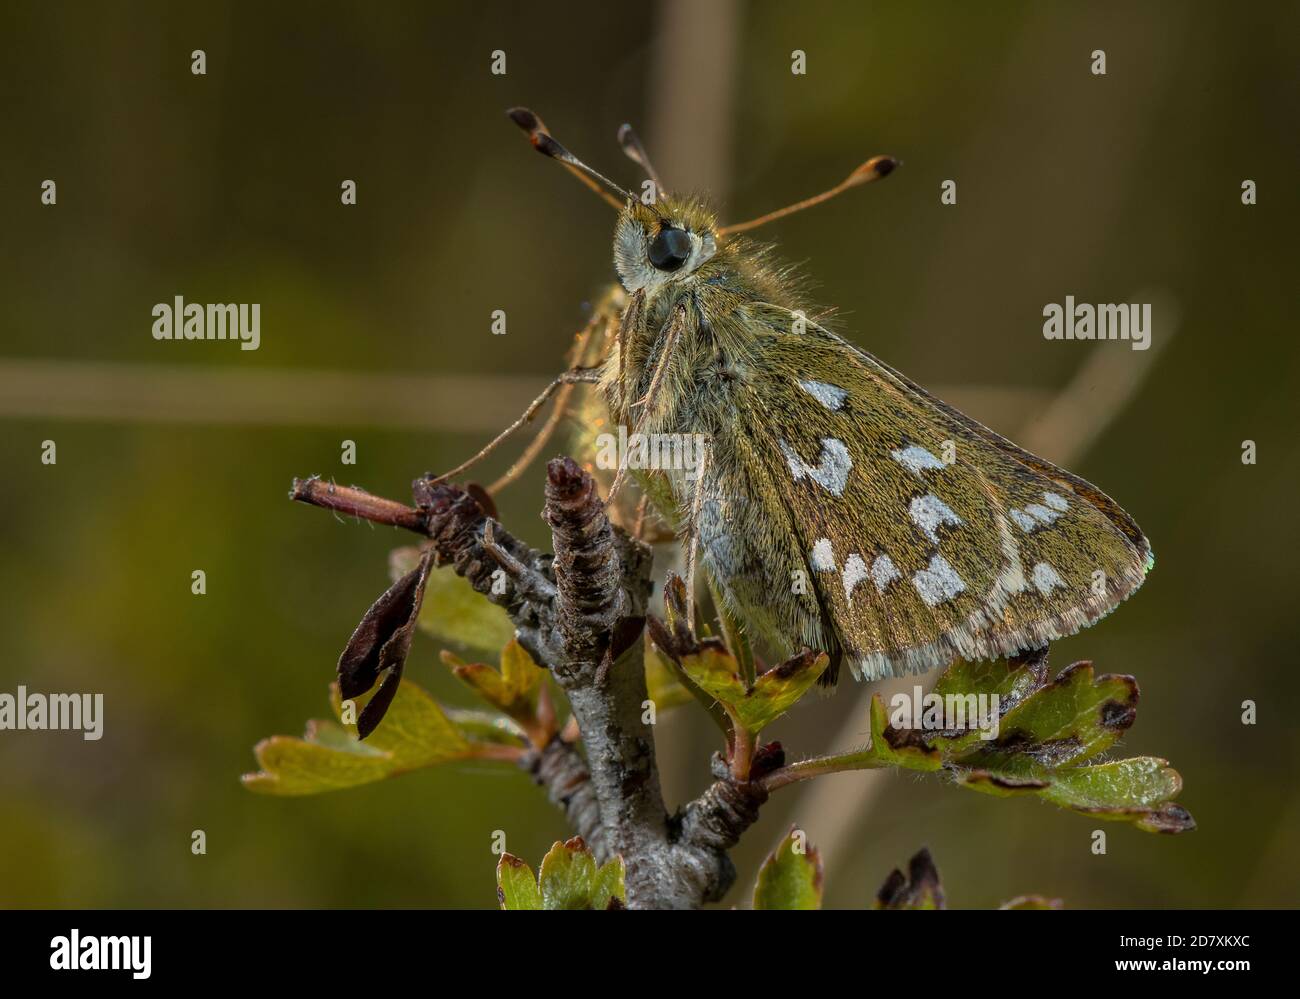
225 187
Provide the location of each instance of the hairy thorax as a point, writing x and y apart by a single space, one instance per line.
706 329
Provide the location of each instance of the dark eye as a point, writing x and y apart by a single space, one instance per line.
670 249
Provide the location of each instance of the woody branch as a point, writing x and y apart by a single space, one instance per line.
580 614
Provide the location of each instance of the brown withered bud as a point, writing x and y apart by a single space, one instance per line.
920 889
673 635
380 644
767 758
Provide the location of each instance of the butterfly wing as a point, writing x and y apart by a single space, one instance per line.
926 536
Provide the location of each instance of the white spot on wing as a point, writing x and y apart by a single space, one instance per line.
1056 502
884 572
830 396
1046 578
1040 513
937 582
823 556
832 470
915 459
855 571
929 513
1011 579
1025 522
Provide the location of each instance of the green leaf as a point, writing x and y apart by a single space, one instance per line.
570 879
513 689
416 733
891 746
659 639
715 671
516 885
452 610
486 726
1076 716
662 685
791 877
609 884
1011 679
675 639
1138 782
887 747
1047 731
1137 790
522 676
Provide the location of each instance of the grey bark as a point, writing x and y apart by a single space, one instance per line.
580 614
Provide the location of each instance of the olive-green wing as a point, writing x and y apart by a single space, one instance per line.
928 537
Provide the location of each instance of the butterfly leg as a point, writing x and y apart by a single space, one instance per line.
574 376
577 356
646 402
641 508
693 532
734 636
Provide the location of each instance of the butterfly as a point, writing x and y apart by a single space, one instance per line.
837 505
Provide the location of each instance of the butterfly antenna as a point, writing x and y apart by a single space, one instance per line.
546 144
630 143
873 169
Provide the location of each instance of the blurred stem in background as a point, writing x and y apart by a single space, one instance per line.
465 403
692 94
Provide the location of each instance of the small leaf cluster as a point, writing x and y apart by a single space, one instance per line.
569 879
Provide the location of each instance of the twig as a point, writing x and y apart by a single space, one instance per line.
357 503
561 770
818 766
581 614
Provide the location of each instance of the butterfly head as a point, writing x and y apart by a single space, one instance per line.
664 244
661 240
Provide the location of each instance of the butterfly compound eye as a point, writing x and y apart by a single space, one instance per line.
670 249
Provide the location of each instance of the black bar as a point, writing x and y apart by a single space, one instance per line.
376 949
